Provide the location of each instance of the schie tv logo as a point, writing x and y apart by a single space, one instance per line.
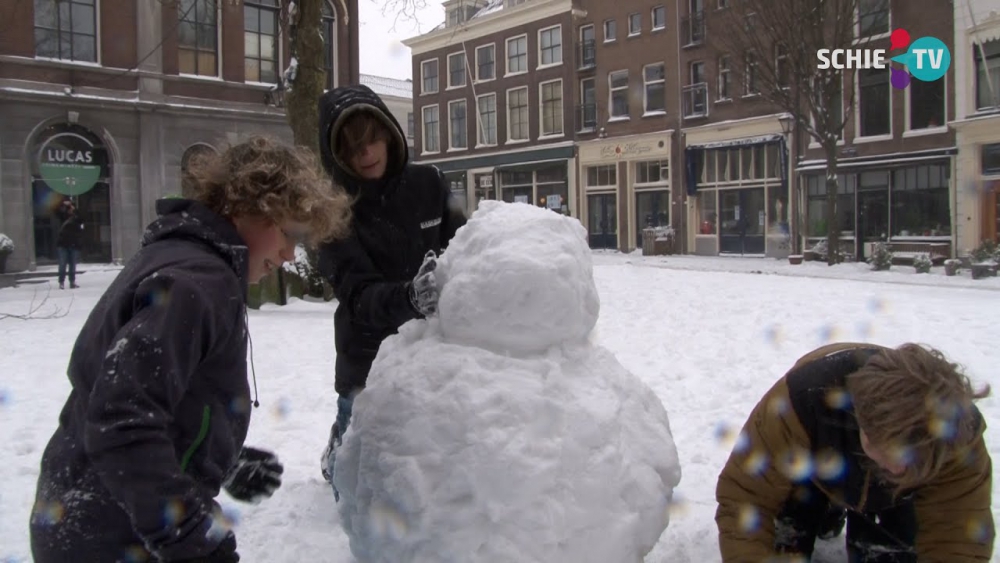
927 59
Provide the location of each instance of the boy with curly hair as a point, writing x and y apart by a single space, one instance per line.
160 403
887 440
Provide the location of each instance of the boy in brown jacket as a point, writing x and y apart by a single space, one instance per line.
887 439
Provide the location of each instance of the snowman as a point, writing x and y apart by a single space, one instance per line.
499 431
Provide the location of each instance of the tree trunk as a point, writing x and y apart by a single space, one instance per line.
832 226
306 87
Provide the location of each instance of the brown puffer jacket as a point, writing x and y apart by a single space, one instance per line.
954 519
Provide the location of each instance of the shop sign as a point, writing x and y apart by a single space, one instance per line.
625 150
69 164
484 181
554 201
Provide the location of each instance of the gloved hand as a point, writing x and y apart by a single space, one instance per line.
225 553
256 475
423 289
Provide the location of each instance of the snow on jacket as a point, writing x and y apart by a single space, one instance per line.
397 219
954 519
160 403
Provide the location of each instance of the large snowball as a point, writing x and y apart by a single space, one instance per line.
458 454
518 278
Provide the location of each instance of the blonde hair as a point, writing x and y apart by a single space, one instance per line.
261 177
916 405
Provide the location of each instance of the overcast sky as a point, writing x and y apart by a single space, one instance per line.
382 52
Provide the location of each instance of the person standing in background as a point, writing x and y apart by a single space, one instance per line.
68 243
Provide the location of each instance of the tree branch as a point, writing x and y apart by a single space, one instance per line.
35 308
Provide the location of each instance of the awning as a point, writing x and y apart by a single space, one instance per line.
743 142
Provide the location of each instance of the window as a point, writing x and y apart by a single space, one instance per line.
723 4
874 105
260 41
926 104
725 79
652 172
652 209
920 201
411 126
431 129
605 176
517 54
458 125
588 108
873 17
487 122
816 199
552 187
610 30
618 83
750 86
517 114
654 80
456 70
588 51
329 32
707 214
634 24
987 72
697 70
552 108
781 65
66 29
197 38
550 46
429 76
989 159
486 62
659 17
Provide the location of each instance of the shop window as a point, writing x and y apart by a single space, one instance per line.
874 104
517 187
553 189
652 209
708 215
652 172
816 198
602 176
926 104
920 201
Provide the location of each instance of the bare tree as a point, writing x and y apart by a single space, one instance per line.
778 42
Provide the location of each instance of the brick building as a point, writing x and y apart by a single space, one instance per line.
491 100
106 100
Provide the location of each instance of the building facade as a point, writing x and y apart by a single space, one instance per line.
490 101
111 118
896 167
398 96
976 60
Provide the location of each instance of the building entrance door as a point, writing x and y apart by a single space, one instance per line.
873 219
742 219
603 220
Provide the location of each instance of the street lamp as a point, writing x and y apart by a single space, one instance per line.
787 122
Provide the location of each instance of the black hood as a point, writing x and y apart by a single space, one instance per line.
187 219
334 108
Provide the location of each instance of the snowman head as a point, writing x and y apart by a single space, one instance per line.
517 279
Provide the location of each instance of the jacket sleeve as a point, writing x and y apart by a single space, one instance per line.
752 488
452 214
371 300
127 430
954 518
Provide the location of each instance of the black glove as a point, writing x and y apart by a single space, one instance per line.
225 553
423 290
256 475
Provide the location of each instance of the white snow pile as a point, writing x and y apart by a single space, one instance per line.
498 432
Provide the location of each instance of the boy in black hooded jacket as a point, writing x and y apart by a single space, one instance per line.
160 403
404 215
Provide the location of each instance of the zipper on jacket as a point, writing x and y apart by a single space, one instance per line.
206 418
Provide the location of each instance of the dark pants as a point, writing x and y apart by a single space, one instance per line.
887 536
68 258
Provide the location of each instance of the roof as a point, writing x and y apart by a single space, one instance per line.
491 7
385 86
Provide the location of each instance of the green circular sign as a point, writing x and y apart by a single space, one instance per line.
70 163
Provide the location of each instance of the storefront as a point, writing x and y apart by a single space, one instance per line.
977 193
626 185
541 177
905 200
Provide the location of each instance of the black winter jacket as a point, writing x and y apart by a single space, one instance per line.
160 403
397 219
70 232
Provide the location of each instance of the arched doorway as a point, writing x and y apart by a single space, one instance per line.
191 156
68 161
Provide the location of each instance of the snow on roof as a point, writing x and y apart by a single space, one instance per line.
385 86
490 7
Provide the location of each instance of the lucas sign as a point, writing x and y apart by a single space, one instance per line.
70 164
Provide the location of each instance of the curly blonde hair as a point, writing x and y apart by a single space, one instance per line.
261 177
918 406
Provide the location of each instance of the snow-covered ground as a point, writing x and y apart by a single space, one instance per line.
708 335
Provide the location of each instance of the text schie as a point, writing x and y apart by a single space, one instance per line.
851 58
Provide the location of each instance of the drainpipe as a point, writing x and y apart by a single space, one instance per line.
679 148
